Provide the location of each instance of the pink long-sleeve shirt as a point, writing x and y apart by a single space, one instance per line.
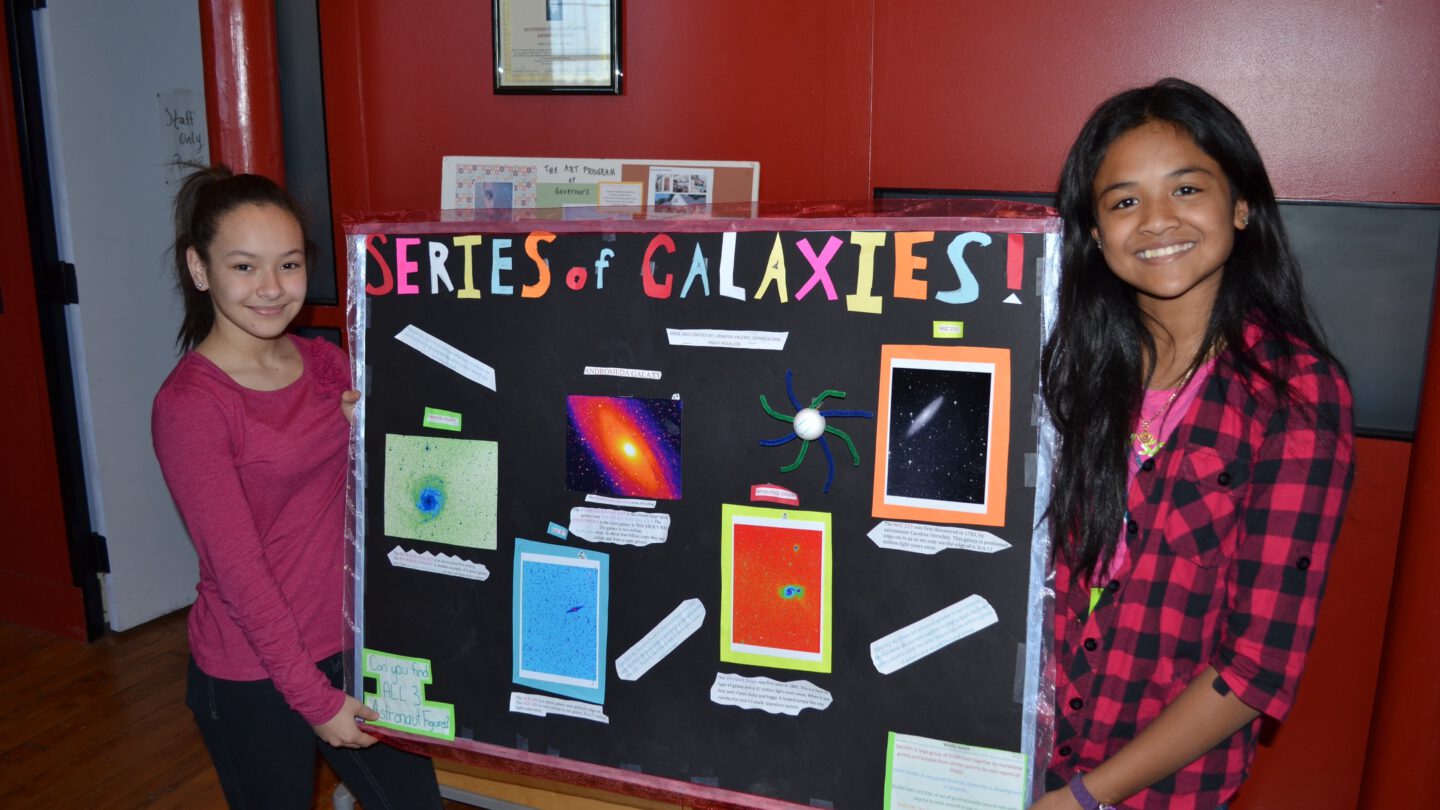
259 479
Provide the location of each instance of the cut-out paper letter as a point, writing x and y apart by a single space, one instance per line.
699 268
774 273
864 298
819 267
438 274
969 289
467 244
906 263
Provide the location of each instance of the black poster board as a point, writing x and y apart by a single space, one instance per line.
564 351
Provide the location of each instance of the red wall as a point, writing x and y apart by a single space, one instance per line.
838 97
1335 702
1342 97
408 83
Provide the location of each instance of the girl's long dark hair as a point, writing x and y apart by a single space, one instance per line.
1095 365
205 196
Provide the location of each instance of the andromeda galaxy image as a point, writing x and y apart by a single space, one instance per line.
623 446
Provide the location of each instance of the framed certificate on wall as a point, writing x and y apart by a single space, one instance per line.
557 46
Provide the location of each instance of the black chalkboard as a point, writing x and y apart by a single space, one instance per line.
505 477
1370 275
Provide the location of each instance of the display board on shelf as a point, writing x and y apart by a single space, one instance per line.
587 186
735 509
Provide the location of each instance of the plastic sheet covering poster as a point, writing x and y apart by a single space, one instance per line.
738 511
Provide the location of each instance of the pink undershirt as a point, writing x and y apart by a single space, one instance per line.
1169 420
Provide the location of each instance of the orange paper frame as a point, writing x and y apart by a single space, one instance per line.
958 358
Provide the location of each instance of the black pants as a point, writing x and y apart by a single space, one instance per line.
264 751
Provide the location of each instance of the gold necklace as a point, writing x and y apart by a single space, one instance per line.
1148 443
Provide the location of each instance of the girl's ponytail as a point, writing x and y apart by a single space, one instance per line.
199 313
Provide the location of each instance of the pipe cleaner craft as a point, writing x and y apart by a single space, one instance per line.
810 425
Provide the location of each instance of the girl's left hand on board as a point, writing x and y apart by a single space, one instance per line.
347 405
1061 799
342 730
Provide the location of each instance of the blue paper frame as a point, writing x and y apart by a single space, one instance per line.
560 619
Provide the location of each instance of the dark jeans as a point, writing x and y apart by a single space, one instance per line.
265 753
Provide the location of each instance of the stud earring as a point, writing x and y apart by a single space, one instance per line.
1099 245
1245 221
199 286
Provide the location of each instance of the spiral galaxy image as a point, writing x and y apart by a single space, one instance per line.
623 446
441 490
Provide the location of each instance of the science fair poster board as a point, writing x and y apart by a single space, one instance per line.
583 185
740 511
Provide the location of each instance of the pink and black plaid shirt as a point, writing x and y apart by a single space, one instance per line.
1230 533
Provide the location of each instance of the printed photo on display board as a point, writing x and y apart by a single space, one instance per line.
441 490
623 446
672 187
775 588
942 439
560 619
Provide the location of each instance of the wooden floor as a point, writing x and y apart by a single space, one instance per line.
104 725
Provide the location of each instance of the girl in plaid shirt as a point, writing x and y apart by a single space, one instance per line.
1204 459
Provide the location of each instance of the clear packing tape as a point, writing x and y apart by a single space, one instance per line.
1038 727
355 319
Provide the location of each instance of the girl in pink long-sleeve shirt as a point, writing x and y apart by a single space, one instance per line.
250 430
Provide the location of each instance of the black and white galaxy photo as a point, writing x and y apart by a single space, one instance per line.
939 436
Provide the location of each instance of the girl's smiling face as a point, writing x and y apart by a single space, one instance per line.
255 272
1166 218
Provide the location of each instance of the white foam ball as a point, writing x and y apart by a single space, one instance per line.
809 424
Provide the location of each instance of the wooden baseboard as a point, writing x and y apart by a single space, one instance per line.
541 794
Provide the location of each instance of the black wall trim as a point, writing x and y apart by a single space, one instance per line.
51 296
